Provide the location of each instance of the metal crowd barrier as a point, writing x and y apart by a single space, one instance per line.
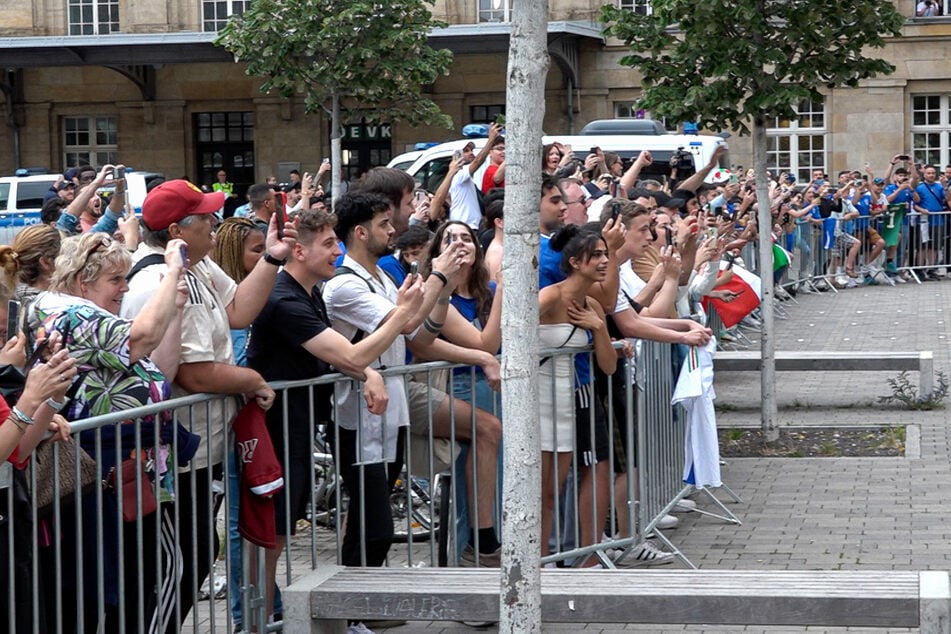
919 246
63 570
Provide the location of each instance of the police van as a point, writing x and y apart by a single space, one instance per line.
21 197
692 152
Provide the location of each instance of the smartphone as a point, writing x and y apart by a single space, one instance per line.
37 354
904 157
279 213
670 236
615 211
730 258
13 318
325 161
457 155
120 173
413 269
712 233
420 195
184 253
594 149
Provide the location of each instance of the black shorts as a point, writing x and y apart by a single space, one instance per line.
591 448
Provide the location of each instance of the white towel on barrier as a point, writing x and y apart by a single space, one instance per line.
694 391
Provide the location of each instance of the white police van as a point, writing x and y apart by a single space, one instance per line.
694 152
21 198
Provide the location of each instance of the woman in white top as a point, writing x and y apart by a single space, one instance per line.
567 316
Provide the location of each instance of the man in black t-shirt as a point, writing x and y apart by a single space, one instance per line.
292 339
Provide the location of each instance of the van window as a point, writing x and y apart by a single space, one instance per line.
431 174
30 194
4 195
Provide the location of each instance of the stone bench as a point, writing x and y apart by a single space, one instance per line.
805 361
323 601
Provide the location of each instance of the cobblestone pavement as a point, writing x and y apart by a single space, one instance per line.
824 513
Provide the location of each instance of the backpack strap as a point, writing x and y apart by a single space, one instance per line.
149 260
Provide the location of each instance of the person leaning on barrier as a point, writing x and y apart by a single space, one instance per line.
178 210
431 407
293 340
626 319
570 318
473 321
360 300
121 367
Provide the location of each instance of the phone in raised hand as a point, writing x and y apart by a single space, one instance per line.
13 318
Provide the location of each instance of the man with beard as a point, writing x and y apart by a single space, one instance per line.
87 213
359 300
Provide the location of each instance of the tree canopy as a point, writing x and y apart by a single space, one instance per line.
371 56
722 62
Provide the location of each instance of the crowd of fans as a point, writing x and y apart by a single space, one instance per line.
117 311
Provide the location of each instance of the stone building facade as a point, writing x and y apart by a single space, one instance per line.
140 81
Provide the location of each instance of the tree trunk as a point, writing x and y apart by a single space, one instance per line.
520 596
765 224
336 154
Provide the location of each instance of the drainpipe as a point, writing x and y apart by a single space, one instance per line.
571 107
11 121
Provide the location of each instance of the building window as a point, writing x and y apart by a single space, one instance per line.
641 7
485 114
93 17
798 145
215 13
90 141
931 129
495 10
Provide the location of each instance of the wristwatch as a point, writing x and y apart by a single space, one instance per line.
270 259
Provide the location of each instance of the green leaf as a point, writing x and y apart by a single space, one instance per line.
375 54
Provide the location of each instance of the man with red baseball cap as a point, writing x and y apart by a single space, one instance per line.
202 347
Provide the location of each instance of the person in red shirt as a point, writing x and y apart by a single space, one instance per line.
494 175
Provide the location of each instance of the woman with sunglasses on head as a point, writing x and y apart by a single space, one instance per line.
120 367
571 319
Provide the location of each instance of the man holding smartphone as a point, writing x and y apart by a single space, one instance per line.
360 300
215 304
293 340
464 203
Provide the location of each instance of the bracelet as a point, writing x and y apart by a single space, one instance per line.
20 416
55 405
443 301
439 275
270 259
16 423
433 326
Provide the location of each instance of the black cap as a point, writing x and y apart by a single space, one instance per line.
663 200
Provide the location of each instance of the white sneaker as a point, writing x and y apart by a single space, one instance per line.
852 283
647 554
684 506
359 628
667 522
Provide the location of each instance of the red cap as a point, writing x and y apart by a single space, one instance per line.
172 201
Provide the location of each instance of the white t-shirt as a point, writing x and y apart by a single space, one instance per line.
463 199
351 307
206 336
630 283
